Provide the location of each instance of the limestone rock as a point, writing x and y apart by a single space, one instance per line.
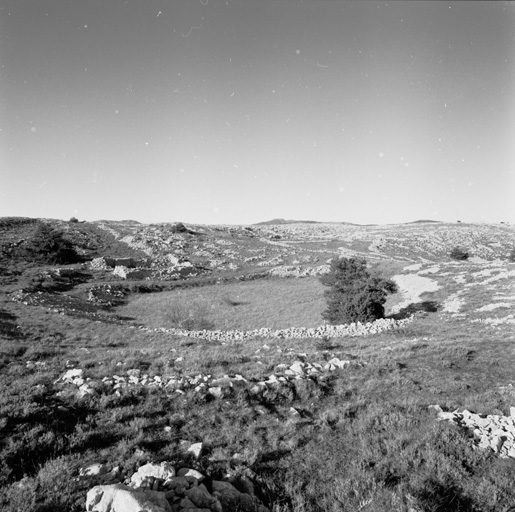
120 498
195 449
73 376
232 499
200 497
151 471
93 470
189 474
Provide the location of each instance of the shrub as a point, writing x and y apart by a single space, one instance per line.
73 220
192 317
48 245
354 294
459 254
511 256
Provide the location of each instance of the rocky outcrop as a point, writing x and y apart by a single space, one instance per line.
158 488
104 263
493 432
120 498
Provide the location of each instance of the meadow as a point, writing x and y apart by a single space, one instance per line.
274 303
362 437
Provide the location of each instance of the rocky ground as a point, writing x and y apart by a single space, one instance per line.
120 259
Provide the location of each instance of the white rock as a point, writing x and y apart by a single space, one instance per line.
297 367
190 473
93 470
120 498
195 449
86 389
71 375
215 391
162 471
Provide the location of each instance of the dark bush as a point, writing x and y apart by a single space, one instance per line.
354 294
511 256
459 254
48 245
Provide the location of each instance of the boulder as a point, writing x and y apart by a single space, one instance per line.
73 375
120 498
200 497
232 499
151 471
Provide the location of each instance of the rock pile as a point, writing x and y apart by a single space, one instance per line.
104 263
491 431
324 331
298 271
160 488
285 375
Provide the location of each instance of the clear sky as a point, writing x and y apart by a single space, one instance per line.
239 111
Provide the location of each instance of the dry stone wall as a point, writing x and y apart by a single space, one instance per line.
324 331
284 376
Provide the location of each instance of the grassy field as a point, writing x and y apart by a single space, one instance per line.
357 439
273 303
362 440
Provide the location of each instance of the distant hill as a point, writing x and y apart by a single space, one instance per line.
106 221
285 221
425 221
278 222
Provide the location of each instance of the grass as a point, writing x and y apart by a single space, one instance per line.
363 439
273 303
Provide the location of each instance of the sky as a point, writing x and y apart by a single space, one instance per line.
240 111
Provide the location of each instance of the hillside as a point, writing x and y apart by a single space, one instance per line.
189 365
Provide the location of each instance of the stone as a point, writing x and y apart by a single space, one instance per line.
73 374
150 471
187 504
195 449
120 498
294 413
177 481
244 485
93 470
200 497
216 391
85 389
297 367
231 498
189 474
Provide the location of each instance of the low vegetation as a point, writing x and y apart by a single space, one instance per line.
459 254
274 303
358 438
49 245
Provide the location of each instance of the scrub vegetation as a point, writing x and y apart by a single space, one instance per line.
361 438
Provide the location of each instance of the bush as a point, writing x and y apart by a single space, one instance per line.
48 245
354 294
511 256
192 317
459 254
